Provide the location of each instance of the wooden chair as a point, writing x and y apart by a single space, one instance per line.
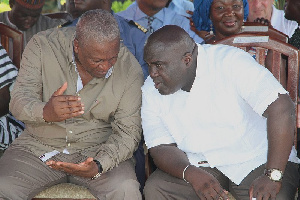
262 42
59 15
258 28
12 41
65 191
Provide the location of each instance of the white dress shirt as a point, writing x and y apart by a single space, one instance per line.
220 120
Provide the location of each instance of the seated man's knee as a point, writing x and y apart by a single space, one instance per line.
129 189
151 187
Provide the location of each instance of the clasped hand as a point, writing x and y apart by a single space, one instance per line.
263 188
87 169
61 107
205 185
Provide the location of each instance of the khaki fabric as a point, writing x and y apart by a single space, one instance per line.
110 128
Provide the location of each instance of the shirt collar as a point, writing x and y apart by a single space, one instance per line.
139 14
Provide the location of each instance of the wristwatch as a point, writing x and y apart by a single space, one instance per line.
100 169
274 174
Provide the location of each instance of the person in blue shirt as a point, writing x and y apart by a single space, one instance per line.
181 6
133 36
153 14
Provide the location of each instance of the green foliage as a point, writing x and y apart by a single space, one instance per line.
279 4
118 6
4 1
4 6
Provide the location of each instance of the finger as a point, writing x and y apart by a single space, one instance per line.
190 12
223 194
266 197
89 160
87 163
50 163
66 98
68 167
70 103
273 195
70 115
259 196
201 196
251 192
61 90
72 111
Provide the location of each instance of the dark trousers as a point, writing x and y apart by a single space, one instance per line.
161 185
23 175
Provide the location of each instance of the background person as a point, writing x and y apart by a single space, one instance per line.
264 9
25 16
10 128
153 14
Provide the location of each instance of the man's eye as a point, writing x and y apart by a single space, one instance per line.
158 66
98 61
237 6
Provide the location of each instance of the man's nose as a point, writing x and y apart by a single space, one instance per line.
153 72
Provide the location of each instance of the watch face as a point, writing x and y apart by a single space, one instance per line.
276 175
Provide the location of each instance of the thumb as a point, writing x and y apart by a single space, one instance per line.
61 90
89 161
251 192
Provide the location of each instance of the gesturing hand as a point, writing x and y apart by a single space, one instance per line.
87 169
264 188
206 185
61 107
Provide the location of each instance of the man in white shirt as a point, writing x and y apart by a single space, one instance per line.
266 10
215 120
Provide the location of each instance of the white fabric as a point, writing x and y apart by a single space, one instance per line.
220 120
181 6
280 23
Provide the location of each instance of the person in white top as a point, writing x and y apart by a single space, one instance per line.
266 10
215 120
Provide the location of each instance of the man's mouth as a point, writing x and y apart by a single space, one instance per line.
157 84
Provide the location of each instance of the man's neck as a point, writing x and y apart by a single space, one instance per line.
147 10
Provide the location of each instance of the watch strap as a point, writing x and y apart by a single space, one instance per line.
100 169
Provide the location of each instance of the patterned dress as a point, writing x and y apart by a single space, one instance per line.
295 39
10 128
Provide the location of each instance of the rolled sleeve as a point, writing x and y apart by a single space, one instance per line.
154 130
26 97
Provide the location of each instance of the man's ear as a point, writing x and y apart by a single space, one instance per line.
11 3
76 45
188 59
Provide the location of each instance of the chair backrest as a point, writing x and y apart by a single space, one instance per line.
12 42
258 28
59 15
264 42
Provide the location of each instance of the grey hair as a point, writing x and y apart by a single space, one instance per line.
98 25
